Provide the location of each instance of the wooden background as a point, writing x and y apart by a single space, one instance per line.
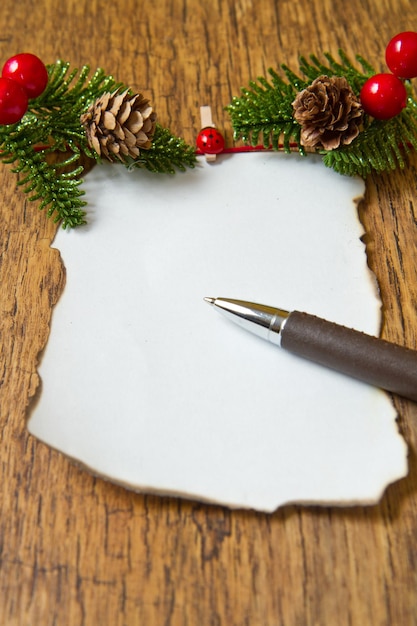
76 550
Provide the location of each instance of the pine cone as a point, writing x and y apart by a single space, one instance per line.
118 125
329 113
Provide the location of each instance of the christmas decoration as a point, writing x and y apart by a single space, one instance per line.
76 116
118 124
13 101
27 70
401 55
358 120
383 96
210 141
329 113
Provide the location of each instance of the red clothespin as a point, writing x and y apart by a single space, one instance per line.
210 141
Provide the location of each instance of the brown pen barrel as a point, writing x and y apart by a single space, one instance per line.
375 361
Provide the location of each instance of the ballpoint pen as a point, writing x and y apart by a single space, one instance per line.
370 359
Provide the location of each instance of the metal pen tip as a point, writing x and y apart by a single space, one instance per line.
210 300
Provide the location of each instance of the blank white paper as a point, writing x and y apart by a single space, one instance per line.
146 385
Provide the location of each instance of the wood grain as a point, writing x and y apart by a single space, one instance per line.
77 550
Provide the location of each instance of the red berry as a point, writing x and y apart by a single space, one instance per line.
383 96
210 141
27 70
401 55
13 101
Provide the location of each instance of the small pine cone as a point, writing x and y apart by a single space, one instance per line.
329 113
118 125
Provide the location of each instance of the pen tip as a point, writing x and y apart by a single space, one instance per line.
210 300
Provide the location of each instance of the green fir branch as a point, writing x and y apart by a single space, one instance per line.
265 110
264 113
58 191
345 68
380 147
52 125
166 155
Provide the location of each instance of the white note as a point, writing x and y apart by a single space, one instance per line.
144 384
